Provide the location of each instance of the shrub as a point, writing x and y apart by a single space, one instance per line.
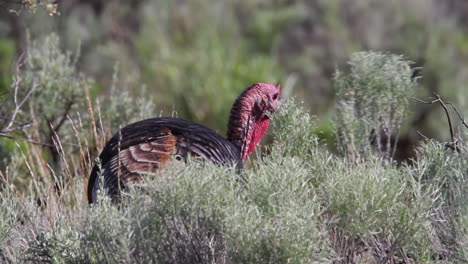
447 170
372 102
378 207
297 203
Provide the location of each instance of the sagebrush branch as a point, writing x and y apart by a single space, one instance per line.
452 134
459 115
454 143
10 127
26 140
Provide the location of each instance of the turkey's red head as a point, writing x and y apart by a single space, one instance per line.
249 118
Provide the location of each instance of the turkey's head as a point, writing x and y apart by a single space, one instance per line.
249 118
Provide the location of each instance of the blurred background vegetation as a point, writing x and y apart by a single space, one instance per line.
194 57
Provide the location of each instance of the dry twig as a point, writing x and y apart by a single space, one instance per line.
454 143
10 127
458 114
26 139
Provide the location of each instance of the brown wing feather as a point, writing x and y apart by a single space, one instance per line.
143 158
146 157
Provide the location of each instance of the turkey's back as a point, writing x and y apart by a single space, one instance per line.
145 146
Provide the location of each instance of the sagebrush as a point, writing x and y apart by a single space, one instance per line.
297 202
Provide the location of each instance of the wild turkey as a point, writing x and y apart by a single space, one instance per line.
147 145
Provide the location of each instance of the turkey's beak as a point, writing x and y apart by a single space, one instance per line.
273 106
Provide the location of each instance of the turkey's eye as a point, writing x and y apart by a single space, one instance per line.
275 96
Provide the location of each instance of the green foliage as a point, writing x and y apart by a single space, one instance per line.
373 98
374 203
298 203
288 208
192 68
307 38
290 138
121 107
200 214
58 246
8 211
448 170
53 72
268 21
7 51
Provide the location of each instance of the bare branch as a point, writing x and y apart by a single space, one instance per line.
9 128
424 102
18 127
64 116
454 143
16 86
33 141
448 118
26 140
419 133
459 115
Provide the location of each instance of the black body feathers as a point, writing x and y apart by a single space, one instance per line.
147 145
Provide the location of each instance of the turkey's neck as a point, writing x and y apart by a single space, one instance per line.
247 124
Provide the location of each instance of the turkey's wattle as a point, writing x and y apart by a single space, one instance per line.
145 146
